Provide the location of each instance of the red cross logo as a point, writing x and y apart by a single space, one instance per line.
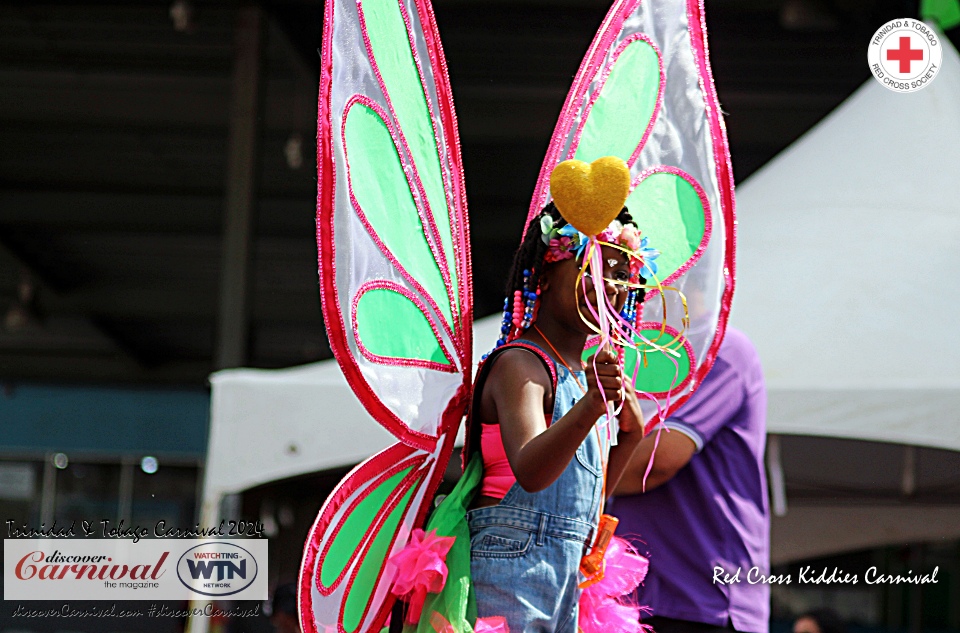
905 55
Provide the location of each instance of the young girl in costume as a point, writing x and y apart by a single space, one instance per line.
547 464
396 291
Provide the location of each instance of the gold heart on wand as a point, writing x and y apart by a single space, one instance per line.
590 195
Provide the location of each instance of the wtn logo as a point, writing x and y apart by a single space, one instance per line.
226 570
218 568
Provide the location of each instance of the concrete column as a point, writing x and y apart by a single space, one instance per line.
233 330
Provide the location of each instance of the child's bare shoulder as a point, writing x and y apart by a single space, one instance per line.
518 365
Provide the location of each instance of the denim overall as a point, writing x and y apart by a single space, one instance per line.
525 552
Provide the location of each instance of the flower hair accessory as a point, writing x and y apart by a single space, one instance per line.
563 243
567 242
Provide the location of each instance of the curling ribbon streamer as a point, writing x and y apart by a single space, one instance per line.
421 569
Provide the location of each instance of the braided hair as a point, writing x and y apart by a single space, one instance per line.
523 283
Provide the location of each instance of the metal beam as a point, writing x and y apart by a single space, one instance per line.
46 292
145 210
120 301
234 320
92 368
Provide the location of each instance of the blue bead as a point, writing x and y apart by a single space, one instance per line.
526 272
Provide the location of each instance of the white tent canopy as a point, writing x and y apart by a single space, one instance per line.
267 425
848 258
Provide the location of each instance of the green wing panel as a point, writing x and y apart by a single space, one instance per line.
345 544
390 43
392 329
380 187
360 591
618 119
670 211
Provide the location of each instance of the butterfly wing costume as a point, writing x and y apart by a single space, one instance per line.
394 255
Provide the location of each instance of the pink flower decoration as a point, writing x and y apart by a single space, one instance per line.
559 249
421 569
630 237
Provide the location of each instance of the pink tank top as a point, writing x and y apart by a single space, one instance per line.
497 475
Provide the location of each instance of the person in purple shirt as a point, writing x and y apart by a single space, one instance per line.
703 519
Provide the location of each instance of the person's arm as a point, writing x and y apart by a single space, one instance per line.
709 409
628 439
538 455
674 451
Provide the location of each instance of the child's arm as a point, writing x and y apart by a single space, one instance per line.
518 385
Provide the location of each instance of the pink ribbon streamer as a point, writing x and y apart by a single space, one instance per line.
421 568
493 624
609 320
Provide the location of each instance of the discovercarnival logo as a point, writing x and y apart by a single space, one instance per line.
151 569
905 55
217 569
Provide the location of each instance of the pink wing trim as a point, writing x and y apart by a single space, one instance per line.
448 117
388 360
386 473
456 201
697 26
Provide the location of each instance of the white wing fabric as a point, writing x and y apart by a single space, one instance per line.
645 93
394 267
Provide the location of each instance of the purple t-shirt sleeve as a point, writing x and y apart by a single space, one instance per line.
712 406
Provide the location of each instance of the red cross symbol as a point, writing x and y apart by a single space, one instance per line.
905 54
